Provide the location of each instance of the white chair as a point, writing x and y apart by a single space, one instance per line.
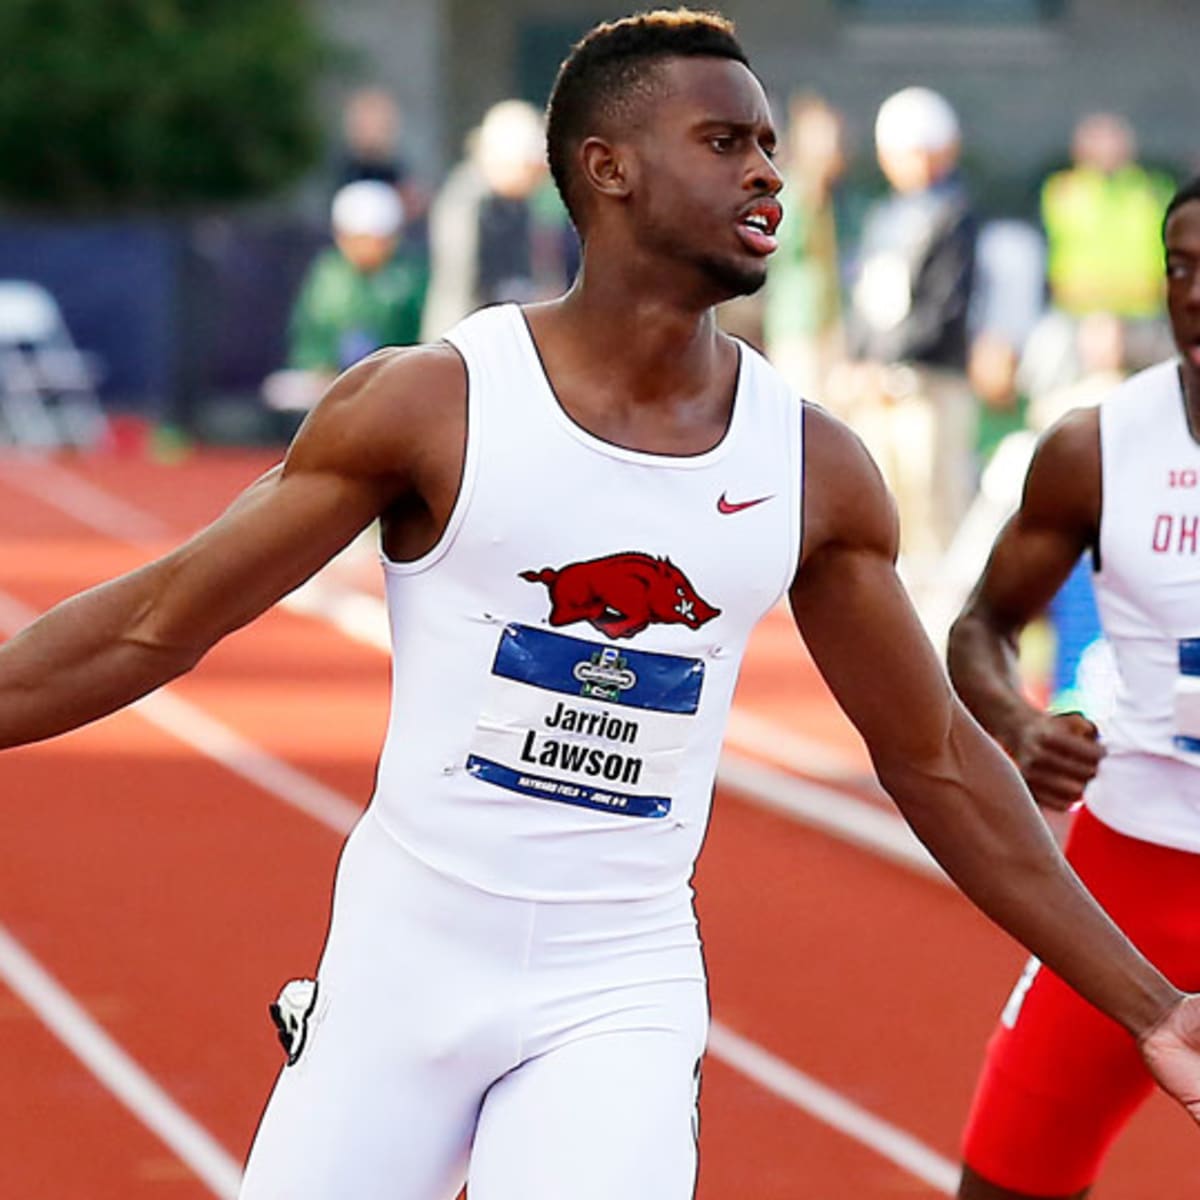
47 385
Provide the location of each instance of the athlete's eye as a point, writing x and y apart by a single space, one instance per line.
721 142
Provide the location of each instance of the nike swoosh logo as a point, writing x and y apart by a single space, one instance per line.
726 507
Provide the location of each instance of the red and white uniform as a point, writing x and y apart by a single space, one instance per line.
512 990
1061 1079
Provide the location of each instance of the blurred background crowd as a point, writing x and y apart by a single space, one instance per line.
209 210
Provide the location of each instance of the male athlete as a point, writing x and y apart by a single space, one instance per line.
586 505
1123 483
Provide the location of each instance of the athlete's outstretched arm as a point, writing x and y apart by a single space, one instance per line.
362 452
953 784
1059 518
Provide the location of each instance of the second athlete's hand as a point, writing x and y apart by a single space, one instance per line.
1058 754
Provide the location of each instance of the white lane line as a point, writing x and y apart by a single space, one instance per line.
87 503
116 1070
206 735
839 814
832 1109
64 1017
760 736
359 616
213 739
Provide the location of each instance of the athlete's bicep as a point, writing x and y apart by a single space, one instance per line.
851 608
275 535
362 450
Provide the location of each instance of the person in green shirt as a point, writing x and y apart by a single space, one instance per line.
363 292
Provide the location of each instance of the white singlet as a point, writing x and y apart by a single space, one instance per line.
512 992
1148 595
565 657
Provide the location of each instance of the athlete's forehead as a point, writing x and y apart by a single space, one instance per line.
694 91
1182 233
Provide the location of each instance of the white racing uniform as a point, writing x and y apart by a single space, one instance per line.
1148 595
512 991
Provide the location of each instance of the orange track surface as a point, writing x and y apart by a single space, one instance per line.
171 897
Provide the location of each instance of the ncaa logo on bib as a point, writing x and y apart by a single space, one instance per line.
605 675
622 594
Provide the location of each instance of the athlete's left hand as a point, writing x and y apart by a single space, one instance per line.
1172 1052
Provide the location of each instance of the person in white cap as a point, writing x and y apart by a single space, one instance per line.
361 293
907 324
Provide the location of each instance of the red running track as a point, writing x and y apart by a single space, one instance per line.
170 896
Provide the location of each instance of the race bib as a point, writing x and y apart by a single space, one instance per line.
585 723
1187 696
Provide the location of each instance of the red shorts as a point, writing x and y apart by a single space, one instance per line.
1060 1079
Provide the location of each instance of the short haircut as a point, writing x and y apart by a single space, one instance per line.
1185 195
612 68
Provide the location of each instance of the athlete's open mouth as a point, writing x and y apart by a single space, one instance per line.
757 224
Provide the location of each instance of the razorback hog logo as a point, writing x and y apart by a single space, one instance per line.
623 593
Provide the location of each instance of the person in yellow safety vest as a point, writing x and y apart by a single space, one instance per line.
1103 220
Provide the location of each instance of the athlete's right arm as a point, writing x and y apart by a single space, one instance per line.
386 438
1059 518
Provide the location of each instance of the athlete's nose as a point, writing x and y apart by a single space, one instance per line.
765 176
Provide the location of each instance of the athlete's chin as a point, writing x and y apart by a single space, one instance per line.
736 277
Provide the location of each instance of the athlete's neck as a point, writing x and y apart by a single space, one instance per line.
637 342
644 376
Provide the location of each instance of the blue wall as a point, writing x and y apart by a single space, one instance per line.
115 284
175 312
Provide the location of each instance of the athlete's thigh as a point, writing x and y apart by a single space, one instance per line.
407 1033
360 1120
608 1116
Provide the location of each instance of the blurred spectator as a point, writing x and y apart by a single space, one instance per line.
1009 294
1102 217
371 128
802 325
372 133
358 295
1001 407
1103 220
498 231
907 320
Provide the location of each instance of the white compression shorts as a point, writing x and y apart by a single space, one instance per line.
531 1050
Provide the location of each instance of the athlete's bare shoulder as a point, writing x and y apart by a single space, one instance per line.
1073 440
395 423
385 414
846 502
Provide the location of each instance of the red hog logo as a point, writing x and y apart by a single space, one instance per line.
623 593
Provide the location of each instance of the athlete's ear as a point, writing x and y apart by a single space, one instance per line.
606 167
